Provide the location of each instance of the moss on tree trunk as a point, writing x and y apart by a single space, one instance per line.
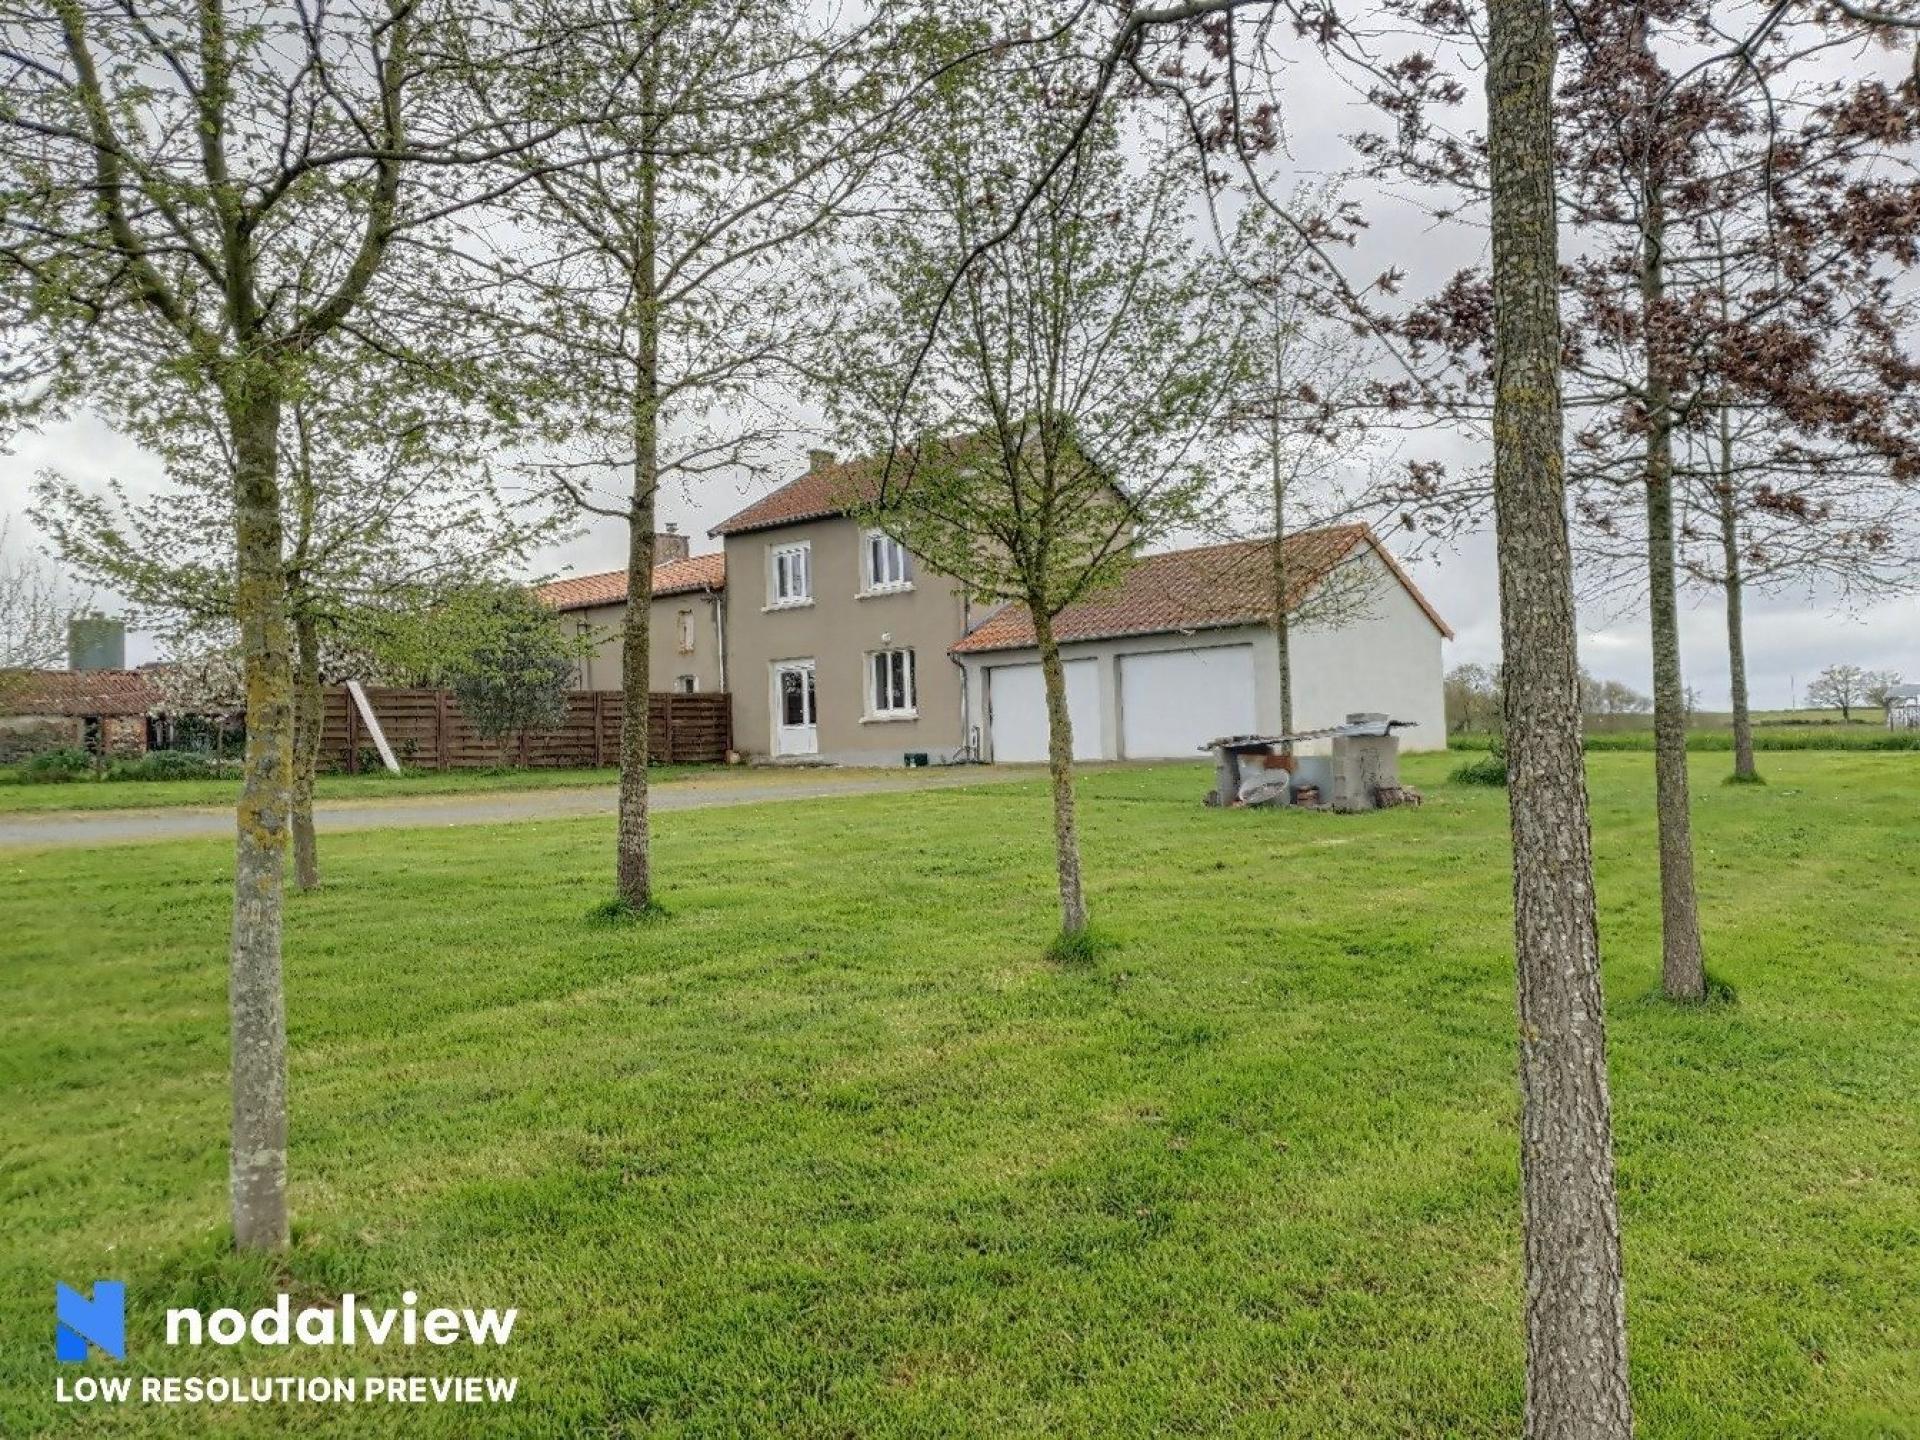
1066 825
258 1168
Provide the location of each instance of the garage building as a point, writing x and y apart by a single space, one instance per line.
1182 651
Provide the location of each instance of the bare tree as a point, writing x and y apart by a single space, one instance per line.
1763 513
1880 685
671 283
1577 1384
202 194
390 507
1309 404
1661 142
1842 687
1610 697
1066 393
36 608
1473 698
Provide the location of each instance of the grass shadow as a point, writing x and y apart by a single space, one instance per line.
1721 994
1080 948
618 913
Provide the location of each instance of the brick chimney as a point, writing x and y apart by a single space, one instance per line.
669 545
818 460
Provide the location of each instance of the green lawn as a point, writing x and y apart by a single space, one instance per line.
834 1152
148 794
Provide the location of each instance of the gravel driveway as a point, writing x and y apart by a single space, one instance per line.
108 827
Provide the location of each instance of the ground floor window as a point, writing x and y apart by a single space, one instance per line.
892 683
686 684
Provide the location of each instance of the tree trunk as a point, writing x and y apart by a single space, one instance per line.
1283 640
634 842
1576 1295
1066 827
1683 973
256 1003
308 710
1743 766
1282 622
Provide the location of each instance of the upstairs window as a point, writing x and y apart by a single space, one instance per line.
790 575
685 622
891 677
888 565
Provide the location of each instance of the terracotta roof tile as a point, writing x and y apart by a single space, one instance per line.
838 487
76 692
1198 589
676 577
832 489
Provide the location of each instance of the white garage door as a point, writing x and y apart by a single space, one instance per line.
1173 701
1017 704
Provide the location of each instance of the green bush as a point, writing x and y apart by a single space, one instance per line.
1489 769
171 765
57 767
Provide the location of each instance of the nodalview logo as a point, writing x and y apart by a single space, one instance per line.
85 1323
100 1321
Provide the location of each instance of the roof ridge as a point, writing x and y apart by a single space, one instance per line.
705 571
1356 526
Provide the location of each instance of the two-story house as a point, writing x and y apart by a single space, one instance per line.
837 636
836 644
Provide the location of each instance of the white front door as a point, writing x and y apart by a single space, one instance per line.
795 731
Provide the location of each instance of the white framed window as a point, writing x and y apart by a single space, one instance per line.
890 690
887 563
685 631
687 684
789 575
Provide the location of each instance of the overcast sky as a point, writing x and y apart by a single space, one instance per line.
1790 636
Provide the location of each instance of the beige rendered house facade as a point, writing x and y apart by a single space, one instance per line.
837 636
688 652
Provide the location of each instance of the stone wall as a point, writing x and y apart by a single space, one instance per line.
24 736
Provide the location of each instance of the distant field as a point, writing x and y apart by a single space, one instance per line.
1710 731
1867 717
1783 737
834 1152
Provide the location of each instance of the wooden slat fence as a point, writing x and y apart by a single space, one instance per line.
428 732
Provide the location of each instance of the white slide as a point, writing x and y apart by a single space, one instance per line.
373 727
